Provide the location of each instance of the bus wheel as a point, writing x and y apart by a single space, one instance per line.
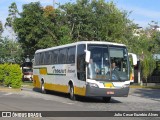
106 99
42 88
71 92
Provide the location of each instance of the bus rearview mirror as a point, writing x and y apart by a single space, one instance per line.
88 55
134 58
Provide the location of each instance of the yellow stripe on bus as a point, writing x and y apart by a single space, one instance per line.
43 71
56 87
80 91
61 88
65 89
36 82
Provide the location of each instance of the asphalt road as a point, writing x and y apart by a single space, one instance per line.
29 100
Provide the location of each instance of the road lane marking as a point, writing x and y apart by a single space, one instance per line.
68 103
8 94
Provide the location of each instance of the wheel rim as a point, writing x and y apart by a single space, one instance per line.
42 88
71 92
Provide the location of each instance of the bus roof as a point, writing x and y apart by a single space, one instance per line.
80 42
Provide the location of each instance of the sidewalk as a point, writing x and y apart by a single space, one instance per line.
7 89
148 86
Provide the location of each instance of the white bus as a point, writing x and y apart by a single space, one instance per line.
83 68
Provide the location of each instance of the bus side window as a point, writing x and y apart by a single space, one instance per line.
50 57
41 58
71 55
62 56
54 56
81 66
46 58
36 61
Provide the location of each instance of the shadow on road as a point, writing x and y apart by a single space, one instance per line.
52 93
78 98
95 100
147 93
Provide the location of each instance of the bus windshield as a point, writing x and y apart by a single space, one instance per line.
108 63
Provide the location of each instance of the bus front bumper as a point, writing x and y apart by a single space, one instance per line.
107 92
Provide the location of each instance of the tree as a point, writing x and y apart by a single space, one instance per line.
145 44
13 13
148 66
96 20
10 51
34 28
1 28
153 33
39 27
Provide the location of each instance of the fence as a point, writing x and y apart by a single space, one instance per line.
151 79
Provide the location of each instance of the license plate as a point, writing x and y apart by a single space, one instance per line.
110 92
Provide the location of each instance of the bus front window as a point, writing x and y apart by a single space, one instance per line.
108 64
98 67
119 63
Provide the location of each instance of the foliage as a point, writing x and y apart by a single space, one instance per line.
15 76
33 29
39 27
10 51
11 75
96 20
2 72
145 45
154 36
147 66
1 28
13 12
156 42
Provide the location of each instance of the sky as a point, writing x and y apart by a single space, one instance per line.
142 11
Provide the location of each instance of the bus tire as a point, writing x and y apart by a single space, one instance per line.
42 88
71 92
106 99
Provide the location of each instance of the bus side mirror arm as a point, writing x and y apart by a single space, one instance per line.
88 55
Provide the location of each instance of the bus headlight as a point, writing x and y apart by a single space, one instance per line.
125 85
92 85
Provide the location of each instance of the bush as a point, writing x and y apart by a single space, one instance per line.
2 72
11 75
147 65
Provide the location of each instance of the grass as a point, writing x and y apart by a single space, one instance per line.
7 89
27 84
152 87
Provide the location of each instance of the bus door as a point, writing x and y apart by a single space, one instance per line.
80 88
